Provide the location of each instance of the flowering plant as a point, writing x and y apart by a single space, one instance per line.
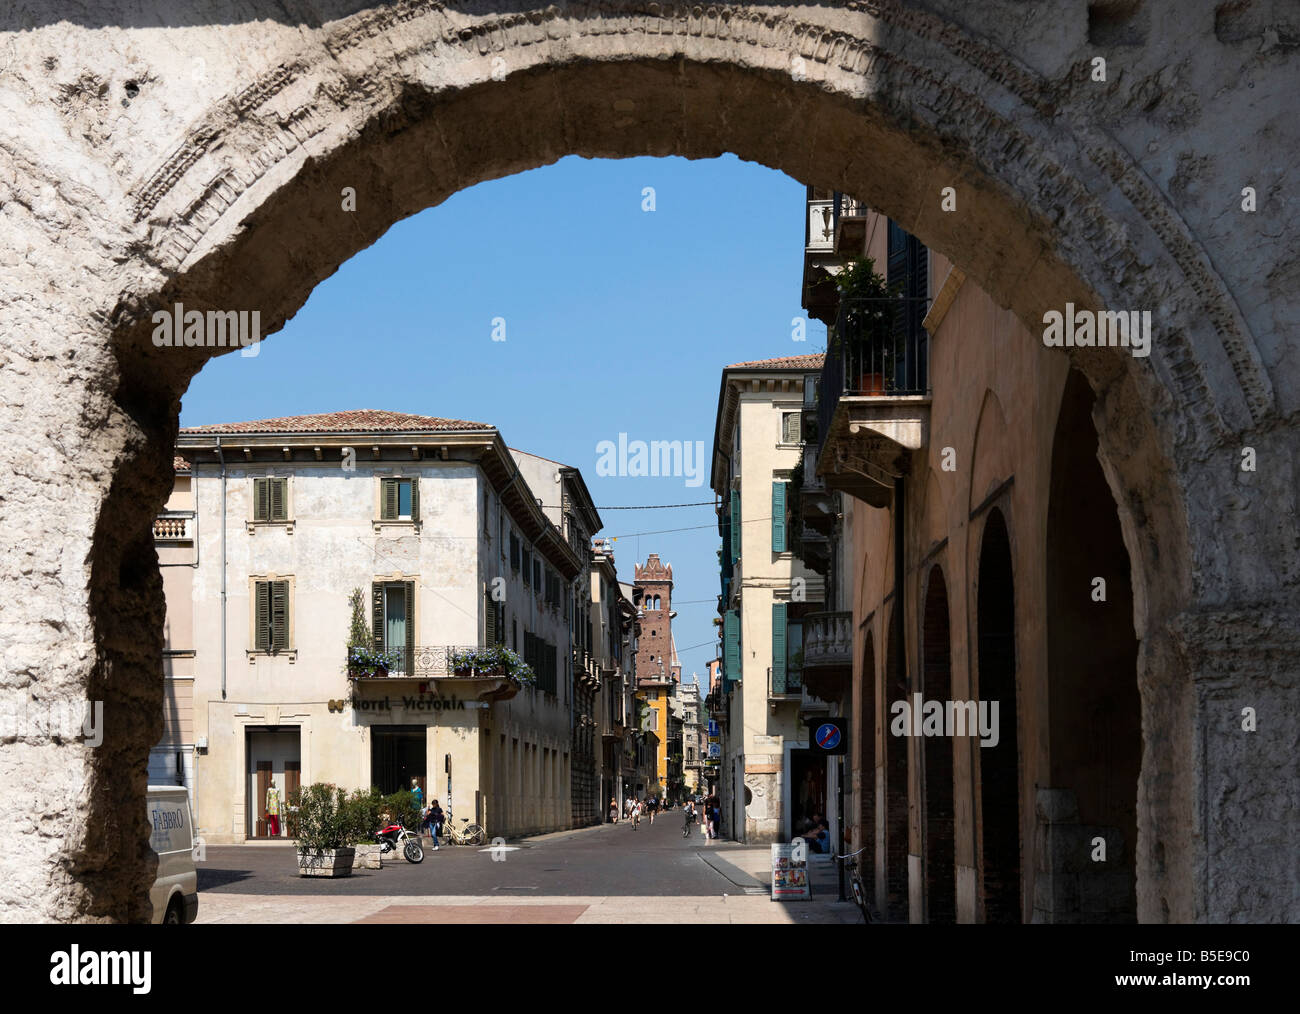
494 657
366 660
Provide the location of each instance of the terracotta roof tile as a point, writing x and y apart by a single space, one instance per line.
365 420
809 362
179 464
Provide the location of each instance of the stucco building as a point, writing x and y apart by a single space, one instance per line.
436 525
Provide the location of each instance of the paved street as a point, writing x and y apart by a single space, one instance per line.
609 873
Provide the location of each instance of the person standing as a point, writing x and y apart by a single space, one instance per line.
652 804
688 818
273 810
418 793
436 817
636 815
613 810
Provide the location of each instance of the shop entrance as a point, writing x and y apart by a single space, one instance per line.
274 771
808 781
398 753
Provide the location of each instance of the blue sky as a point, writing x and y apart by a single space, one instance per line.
616 320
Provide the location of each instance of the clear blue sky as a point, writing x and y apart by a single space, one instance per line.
617 320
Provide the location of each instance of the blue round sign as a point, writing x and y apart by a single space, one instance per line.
828 736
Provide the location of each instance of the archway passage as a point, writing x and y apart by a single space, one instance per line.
893 868
999 765
938 832
1095 735
866 764
227 196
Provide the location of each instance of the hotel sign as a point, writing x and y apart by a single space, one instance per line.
414 702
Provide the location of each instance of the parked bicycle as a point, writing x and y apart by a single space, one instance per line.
470 834
855 882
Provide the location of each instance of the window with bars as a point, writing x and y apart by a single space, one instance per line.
399 500
271 616
271 499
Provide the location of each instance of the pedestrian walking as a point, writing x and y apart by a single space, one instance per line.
636 815
436 818
652 804
688 818
613 810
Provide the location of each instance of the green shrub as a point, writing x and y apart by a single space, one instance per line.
401 807
363 808
324 819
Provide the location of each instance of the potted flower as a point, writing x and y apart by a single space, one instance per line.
496 660
326 830
866 327
366 660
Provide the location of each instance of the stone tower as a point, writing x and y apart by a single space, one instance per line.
654 660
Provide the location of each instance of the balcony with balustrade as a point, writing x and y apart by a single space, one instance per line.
434 668
828 654
174 527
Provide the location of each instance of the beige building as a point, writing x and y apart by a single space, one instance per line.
766 591
273 524
956 490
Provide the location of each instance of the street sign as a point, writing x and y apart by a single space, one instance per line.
715 749
830 736
713 727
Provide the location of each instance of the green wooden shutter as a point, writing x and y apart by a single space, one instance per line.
731 642
279 499
377 615
489 618
261 500
778 647
280 615
262 616
735 525
778 517
388 510
410 625
415 499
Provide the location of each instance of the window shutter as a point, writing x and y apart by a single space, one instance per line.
377 615
415 499
261 500
410 625
388 505
280 615
731 650
262 616
278 490
778 647
735 525
489 618
778 517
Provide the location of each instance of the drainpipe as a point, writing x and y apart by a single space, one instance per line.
899 625
221 455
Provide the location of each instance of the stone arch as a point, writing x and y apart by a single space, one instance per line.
990 452
232 197
938 838
999 823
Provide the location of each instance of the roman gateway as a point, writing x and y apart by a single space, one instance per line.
202 158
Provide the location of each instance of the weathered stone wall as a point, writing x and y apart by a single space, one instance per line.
153 152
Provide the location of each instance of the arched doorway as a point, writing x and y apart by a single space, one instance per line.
1095 732
866 765
892 878
999 765
936 682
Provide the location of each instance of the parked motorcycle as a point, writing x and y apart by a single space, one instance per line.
395 836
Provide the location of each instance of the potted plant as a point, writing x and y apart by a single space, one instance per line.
326 830
496 660
865 323
366 660
364 806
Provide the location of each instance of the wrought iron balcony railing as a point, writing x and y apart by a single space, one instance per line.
418 663
878 348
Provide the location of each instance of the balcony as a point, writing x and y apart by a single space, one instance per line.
874 402
787 687
174 526
434 663
819 260
827 653
849 217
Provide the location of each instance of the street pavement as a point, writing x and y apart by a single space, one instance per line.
606 874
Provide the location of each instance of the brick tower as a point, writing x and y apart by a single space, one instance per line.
654 659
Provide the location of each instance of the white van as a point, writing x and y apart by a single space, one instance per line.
175 892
